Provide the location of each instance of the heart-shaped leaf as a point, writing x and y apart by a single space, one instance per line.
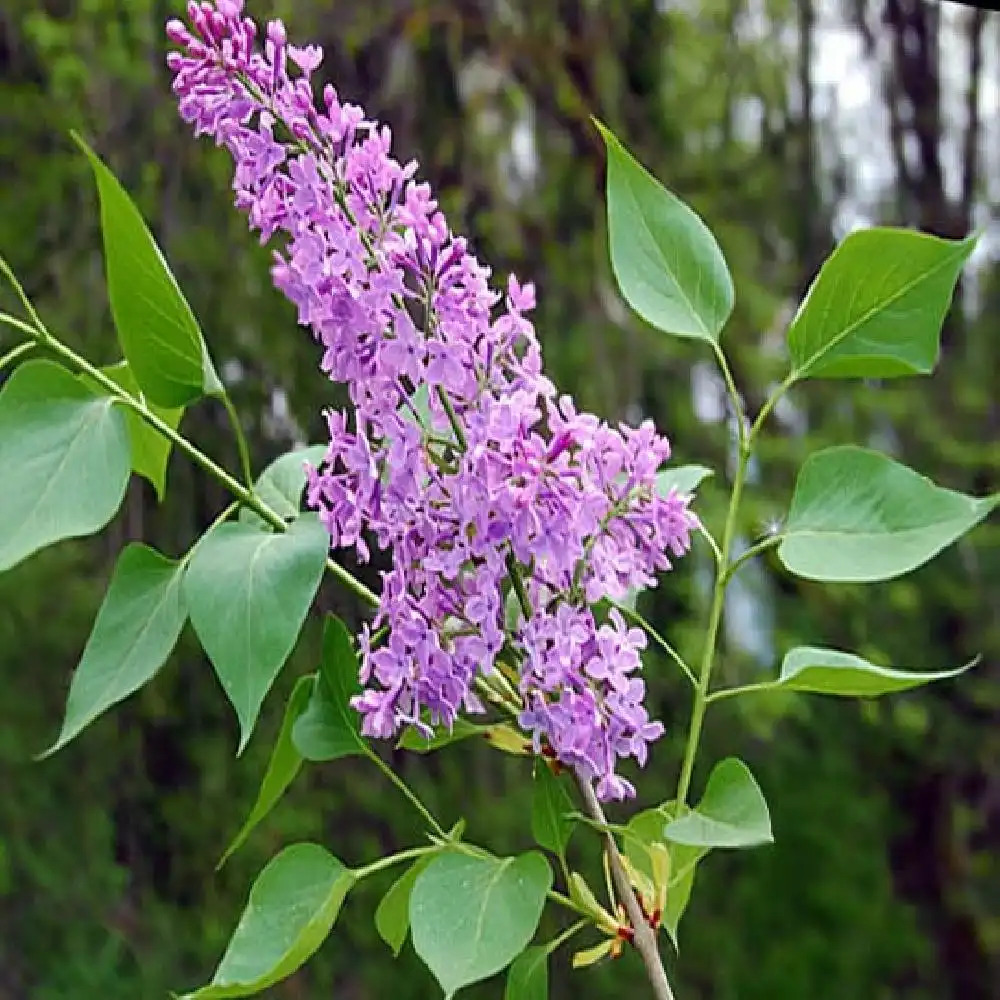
645 829
328 729
392 917
471 916
281 484
64 460
293 904
150 449
528 976
732 812
876 306
682 478
284 764
137 627
858 516
551 826
248 592
666 261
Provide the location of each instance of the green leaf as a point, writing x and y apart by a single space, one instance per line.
829 671
328 729
281 484
150 449
550 803
249 592
643 829
668 265
528 977
876 307
471 916
64 460
392 917
507 739
858 516
137 627
684 861
417 409
413 739
281 768
157 330
293 904
732 812
646 828
682 478
512 610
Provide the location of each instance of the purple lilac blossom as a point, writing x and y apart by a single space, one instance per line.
457 455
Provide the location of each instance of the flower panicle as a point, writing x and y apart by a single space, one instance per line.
457 454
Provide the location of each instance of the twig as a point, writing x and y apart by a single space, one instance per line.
644 937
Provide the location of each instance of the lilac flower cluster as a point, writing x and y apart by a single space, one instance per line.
457 455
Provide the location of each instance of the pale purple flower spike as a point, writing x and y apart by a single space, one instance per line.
406 319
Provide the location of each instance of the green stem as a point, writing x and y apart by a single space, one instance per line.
755 550
498 681
8 273
714 619
734 395
564 868
407 792
517 582
712 544
561 939
770 403
456 424
744 689
622 831
19 324
393 859
222 516
245 496
726 569
561 900
658 639
12 355
241 441
497 697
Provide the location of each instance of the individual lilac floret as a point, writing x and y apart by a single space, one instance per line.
456 455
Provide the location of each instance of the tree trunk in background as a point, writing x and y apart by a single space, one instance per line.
931 860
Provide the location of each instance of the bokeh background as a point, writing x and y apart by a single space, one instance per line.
785 125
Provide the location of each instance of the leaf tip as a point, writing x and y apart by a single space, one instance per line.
971 665
84 147
246 731
46 754
226 855
61 741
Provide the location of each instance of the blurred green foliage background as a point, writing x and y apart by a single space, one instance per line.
784 124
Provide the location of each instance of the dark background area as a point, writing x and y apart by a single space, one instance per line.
784 124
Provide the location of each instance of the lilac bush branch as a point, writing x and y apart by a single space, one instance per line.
246 497
644 937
